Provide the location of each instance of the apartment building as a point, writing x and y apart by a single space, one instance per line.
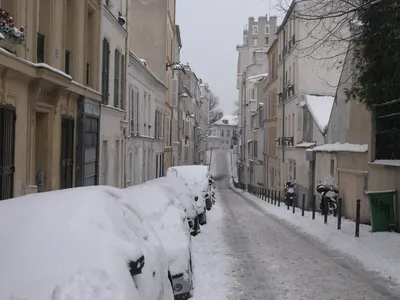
203 113
251 67
272 169
113 124
146 119
190 103
222 135
176 95
147 41
50 99
170 39
307 82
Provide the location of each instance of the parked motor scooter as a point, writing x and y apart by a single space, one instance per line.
290 193
329 194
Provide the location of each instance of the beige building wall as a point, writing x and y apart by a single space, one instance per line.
272 168
42 93
168 161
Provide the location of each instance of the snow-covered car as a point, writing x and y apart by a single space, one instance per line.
170 224
196 176
79 243
184 196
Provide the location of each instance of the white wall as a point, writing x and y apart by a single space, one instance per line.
144 147
112 144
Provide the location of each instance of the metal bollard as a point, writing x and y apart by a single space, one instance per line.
294 204
275 198
358 216
303 204
313 207
339 214
269 194
279 198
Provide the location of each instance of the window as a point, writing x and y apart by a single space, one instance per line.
149 114
266 41
145 104
293 134
105 76
222 132
90 44
228 133
333 168
252 94
132 110
234 132
255 30
122 82
255 41
266 29
137 110
255 148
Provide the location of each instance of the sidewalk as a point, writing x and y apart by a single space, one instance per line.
379 252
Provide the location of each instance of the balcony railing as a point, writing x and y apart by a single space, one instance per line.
12 36
286 141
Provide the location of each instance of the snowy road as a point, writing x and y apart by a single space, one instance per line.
271 260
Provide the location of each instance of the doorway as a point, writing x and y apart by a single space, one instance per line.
7 148
41 151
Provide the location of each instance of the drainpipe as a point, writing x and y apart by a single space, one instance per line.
244 129
179 120
283 108
126 94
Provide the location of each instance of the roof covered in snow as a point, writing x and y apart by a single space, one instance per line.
338 147
320 108
227 120
255 78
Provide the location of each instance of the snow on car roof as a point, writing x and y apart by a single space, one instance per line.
63 241
168 221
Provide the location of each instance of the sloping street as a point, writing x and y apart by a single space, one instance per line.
272 260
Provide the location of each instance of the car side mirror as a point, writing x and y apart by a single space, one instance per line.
135 267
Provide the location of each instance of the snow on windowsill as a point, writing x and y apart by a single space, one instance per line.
114 108
305 145
338 147
386 162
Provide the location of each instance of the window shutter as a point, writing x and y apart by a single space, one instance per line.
174 92
105 71
137 95
116 77
122 82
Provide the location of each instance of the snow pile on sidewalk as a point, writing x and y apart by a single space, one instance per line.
210 260
378 252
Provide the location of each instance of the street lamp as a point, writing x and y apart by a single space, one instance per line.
176 66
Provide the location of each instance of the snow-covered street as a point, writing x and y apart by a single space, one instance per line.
263 257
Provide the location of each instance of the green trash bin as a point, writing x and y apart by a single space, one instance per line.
382 208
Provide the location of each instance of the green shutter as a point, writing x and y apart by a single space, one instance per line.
122 82
105 71
117 57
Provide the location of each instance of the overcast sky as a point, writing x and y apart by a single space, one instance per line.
210 31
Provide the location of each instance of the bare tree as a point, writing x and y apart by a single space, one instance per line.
215 112
237 108
326 25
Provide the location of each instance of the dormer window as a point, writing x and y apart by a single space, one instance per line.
225 122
